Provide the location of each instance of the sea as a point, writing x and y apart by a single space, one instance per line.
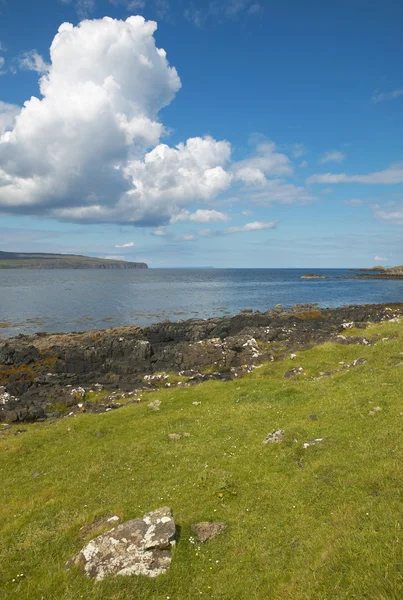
80 300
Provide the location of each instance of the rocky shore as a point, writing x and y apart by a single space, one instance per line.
51 375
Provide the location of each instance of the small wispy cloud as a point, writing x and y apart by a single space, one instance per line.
298 150
160 232
221 11
200 216
32 61
332 156
255 226
187 237
83 7
391 175
128 245
380 259
392 214
380 96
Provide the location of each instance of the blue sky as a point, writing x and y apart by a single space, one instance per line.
269 136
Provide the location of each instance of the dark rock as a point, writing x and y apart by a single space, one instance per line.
137 547
206 531
120 358
313 417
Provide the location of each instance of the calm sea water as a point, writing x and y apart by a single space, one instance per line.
75 300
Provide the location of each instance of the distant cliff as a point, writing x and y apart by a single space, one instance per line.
18 260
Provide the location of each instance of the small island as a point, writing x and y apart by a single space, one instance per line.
379 273
22 260
314 276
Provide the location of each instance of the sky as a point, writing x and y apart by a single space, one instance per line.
224 133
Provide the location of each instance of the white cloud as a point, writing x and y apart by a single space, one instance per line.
200 216
160 232
187 237
8 113
265 162
391 175
380 259
128 245
32 61
80 152
303 164
168 179
247 213
332 156
393 215
255 226
2 65
379 95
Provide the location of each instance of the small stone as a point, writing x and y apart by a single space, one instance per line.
174 436
275 436
155 405
358 361
313 417
313 442
375 410
294 373
186 434
36 474
99 434
206 531
292 356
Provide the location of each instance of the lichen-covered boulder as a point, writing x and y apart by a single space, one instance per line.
137 547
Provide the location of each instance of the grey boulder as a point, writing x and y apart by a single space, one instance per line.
137 547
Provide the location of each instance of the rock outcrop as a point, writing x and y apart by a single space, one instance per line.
41 373
137 547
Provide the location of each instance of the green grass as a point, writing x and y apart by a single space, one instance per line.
320 523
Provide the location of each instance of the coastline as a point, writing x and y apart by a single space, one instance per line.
41 371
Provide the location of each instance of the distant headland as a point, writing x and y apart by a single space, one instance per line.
28 260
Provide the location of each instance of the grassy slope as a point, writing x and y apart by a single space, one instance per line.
320 523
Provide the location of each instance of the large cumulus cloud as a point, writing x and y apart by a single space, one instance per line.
89 149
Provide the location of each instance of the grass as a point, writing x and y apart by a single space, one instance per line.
320 523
